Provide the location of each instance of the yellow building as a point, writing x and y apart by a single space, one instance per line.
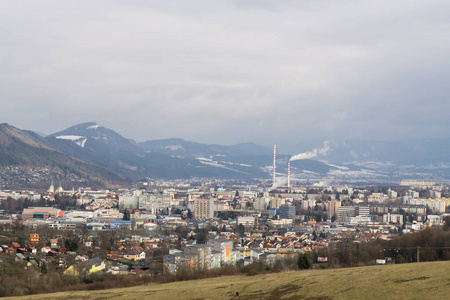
333 207
277 202
90 266
436 205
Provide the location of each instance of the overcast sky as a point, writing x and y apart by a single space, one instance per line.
228 71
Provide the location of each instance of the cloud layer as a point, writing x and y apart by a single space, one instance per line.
228 71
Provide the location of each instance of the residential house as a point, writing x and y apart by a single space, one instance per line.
224 247
90 266
46 249
134 254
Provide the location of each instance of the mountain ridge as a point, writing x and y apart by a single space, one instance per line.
97 144
26 148
175 158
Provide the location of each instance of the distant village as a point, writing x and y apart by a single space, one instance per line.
162 227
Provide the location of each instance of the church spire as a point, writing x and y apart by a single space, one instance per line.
51 189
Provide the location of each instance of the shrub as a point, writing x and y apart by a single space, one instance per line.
303 262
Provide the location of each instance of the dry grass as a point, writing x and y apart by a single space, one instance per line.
408 281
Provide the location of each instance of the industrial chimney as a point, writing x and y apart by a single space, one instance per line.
289 176
274 163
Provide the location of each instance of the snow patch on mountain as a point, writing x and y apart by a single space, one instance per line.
81 143
356 174
335 166
94 126
77 139
373 164
212 163
309 172
70 137
174 147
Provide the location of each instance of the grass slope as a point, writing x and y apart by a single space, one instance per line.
408 281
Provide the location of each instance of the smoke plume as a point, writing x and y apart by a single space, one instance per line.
313 153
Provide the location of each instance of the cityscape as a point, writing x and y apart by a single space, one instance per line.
159 228
226 149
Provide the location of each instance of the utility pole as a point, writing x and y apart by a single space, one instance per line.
357 248
350 255
418 254
328 255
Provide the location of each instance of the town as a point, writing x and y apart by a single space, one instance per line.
170 227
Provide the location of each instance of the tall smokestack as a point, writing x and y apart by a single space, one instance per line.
274 163
289 176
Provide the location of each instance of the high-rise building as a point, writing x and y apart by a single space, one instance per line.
435 194
363 211
287 211
225 248
261 203
308 204
436 205
200 256
346 212
155 203
129 201
392 194
414 194
277 202
333 207
393 218
204 208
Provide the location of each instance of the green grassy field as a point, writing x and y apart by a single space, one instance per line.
407 281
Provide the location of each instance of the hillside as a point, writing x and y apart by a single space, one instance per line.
28 149
407 281
94 143
182 147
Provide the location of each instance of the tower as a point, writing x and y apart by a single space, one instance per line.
274 163
51 189
60 188
289 176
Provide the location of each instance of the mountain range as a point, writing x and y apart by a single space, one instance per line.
22 148
105 157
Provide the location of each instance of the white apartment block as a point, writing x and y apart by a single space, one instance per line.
246 221
393 218
155 203
204 208
377 198
308 203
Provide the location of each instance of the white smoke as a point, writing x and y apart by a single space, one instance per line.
279 182
321 184
313 153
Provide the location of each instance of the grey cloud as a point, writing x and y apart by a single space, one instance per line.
228 71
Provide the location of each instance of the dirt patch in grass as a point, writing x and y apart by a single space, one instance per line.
412 279
281 292
258 295
150 293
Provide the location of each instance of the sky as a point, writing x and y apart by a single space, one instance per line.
228 72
